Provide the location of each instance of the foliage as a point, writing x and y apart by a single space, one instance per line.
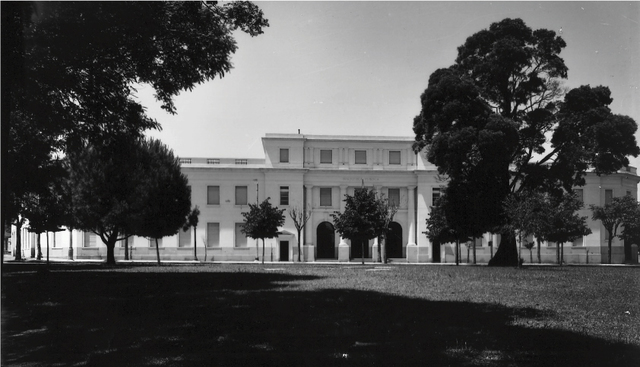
614 214
300 218
485 121
387 210
262 221
131 187
192 221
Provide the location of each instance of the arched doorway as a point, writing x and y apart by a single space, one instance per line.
394 240
326 241
435 254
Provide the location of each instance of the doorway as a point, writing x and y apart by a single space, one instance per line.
284 250
326 241
394 240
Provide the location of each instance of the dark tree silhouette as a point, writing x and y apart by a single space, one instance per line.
192 221
485 120
613 215
262 221
300 218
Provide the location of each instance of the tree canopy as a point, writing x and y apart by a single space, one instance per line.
499 121
262 221
614 214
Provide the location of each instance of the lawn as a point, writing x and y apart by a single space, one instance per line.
319 315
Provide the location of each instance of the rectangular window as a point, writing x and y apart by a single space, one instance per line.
284 195
394 157
394 197
361 157
326 156
241 238
608 196
325 196
90 239
184 238
213 195
241 195
213 161
185 160
152 242
284 155
579 194
241 161
435 195
213 234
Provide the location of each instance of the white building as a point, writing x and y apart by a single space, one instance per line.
314 173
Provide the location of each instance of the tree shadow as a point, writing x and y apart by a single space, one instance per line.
270 319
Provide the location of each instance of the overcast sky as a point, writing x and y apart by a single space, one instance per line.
358 68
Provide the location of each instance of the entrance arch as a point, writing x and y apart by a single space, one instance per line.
326 241
394 240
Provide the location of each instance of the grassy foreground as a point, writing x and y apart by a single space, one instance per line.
315 315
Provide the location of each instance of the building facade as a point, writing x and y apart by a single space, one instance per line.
314 173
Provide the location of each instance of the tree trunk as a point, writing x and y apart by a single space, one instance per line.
474 251
468 252
111 259
39 234
262 250
531 256
157 251
610 240
539 260
258 251
362 248
298 244
457 252
48 247
126 248
195 244
507 253
18 245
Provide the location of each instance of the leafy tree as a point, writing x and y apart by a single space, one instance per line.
364 217
262 221
631 230
387 211
69 69
566 225
300 218
166 199
485 121
613 214
192 221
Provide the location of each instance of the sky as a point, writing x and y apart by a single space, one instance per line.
359 68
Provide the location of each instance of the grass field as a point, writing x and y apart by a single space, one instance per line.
319 315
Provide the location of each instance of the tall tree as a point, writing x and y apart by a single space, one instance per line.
489 116
613 214
262 221
192 221
566 225
363 219
300 218
387 211
69 70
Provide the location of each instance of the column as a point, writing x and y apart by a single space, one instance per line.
343 247
412 247
376 243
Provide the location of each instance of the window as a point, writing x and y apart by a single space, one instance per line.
284 155
325 196
579 194
361 157
213 234
184 238
435 195
326 156
152 242
241 195
90 239
608 196
241 161
394 157
241 238
394 197
284 195
213 195
213 161
185 160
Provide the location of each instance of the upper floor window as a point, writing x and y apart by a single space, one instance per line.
394 157
361 157
325 196
241 195
284 155
241 161
394 197
326 156
284 195
608 196
213 195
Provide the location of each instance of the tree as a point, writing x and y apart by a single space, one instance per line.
130 187
192 221
364 217
529 246
262 221
300 218
489 116
631 230
438 229
566 225
613 214
387 211
69 70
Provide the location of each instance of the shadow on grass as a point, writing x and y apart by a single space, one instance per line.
85 317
